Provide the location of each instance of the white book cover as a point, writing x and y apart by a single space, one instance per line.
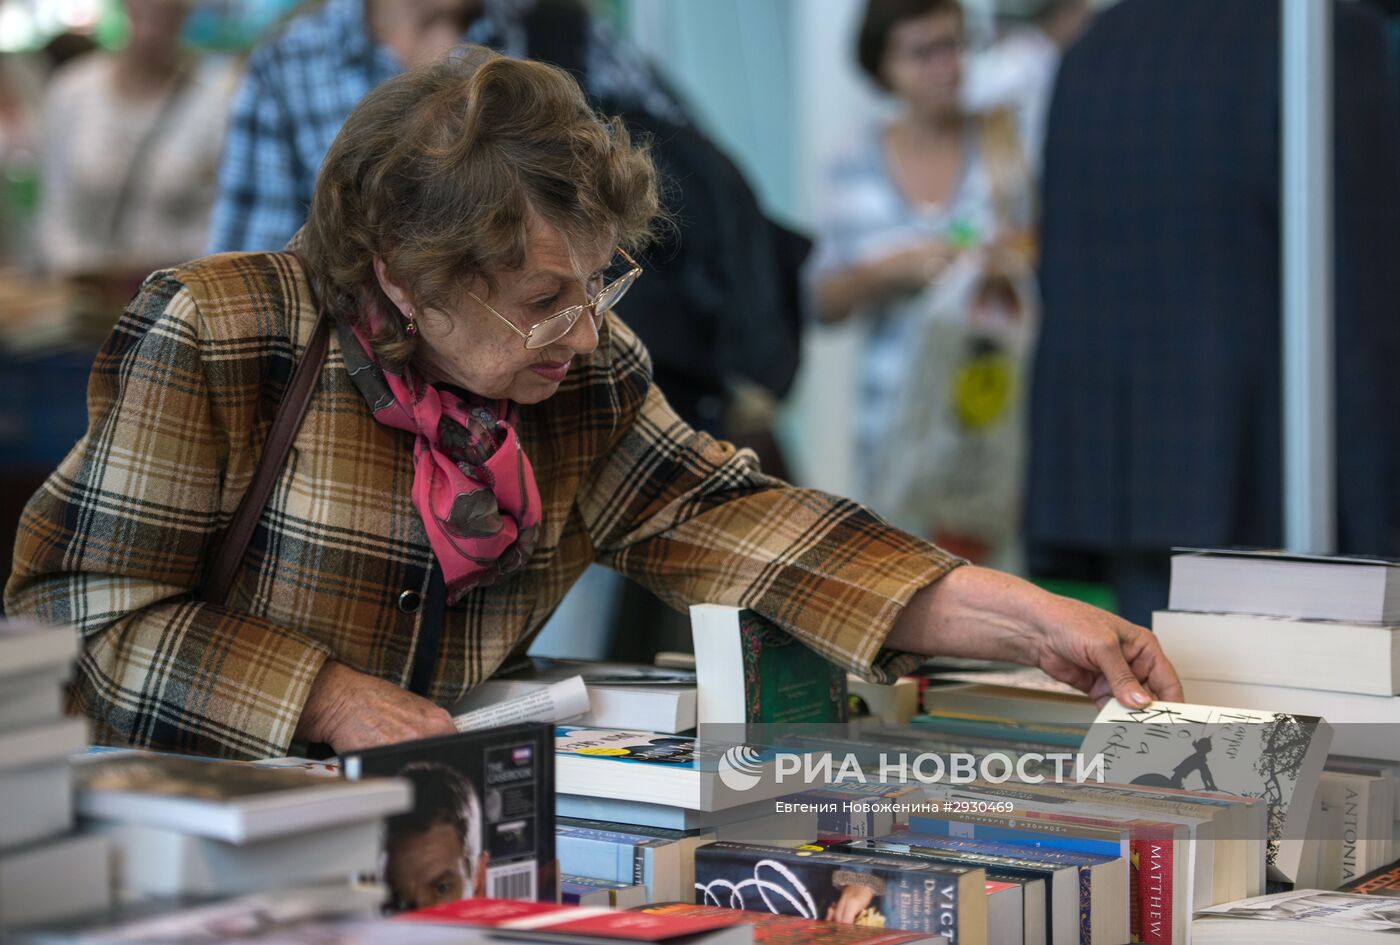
1274 756
42 744
1310 587
1278 651
37 803
227 800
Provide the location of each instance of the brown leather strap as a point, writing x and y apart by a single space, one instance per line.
290 412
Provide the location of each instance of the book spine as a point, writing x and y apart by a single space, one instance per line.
1150 873
1046 835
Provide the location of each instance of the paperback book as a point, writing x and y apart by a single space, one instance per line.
874 890
795 930
482 820
1271 755
549 922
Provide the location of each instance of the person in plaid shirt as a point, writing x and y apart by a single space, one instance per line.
301 84
483 427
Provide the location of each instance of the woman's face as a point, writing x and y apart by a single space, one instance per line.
472 348
923 61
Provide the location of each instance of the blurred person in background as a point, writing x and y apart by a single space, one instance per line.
924 239
129 150
20 90
1157 406
301 84
1018 71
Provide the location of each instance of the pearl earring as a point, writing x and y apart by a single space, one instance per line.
410 325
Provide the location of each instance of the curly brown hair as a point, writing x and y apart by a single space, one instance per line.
439 172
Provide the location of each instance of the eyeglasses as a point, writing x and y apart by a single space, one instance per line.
545 333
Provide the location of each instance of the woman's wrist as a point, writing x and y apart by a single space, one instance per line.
971 612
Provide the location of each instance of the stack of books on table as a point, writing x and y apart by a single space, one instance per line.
47 871
1293 633
184 829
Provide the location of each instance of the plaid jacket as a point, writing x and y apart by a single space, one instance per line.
180 401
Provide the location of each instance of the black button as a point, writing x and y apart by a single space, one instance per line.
410 602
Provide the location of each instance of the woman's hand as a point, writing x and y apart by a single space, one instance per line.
907 270
349 710
984 614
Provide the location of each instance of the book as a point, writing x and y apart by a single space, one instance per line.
30 653
748 670
1009 702
1366 804
482 817
1074 885
1303 916
662 861
30 704
1384 881
1005 920
227 801
673 770
156 861
38 802
585 891
885 891
645 814
288 914
1007 730
54 880
620 695
549 922
795 930
1273 755
1361 725
850 811
1278 651
1271 583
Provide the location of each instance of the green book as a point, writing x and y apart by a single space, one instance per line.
749 670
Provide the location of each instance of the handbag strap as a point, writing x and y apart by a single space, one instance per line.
285 424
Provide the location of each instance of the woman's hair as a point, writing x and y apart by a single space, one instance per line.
882 16
439 171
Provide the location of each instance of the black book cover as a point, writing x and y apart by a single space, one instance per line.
483 816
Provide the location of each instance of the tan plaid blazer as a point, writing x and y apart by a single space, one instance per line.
180 401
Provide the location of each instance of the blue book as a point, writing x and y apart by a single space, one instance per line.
641 814
1026 832
661 861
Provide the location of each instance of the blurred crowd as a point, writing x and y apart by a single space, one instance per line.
1061 248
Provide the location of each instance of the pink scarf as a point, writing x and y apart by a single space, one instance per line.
472 483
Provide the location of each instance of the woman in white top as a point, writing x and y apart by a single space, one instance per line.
130 149
900 206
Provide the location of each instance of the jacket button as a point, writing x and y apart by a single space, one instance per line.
410 602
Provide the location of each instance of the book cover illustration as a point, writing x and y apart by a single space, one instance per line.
870 891
793 930
653 748
784 679
482 823
1382 882
1277 757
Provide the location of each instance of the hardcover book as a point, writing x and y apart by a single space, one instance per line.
795 930
1270 755
482 821
749 670
876 890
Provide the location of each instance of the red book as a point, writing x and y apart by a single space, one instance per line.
795 930
544 921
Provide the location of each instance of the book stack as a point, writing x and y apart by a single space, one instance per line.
48 872
1310 635
184 828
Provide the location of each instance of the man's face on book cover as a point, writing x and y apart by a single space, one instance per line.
432 867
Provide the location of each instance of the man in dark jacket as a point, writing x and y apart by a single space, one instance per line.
1157 409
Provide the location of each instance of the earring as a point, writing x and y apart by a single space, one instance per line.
410 325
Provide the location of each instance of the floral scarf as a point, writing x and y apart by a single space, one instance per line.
473 486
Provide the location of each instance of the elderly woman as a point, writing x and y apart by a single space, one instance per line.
483 427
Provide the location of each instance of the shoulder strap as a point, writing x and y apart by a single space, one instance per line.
290 412
138 167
